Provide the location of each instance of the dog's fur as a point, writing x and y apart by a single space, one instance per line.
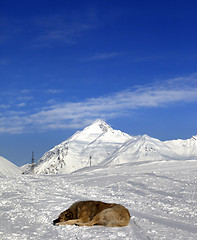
90 213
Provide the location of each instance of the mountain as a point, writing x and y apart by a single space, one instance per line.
100 145
85 148
8 168
25 168
185 149
145 148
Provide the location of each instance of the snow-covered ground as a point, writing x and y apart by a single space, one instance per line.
161 197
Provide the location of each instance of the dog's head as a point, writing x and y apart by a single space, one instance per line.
64 216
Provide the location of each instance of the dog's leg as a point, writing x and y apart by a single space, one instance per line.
94 221
60 223
107 218
88 224
69 222
115 223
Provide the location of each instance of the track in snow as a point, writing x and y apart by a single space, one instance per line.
161 197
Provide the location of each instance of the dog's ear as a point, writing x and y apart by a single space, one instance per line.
78 212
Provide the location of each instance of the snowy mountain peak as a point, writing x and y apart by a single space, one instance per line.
99 144
99 126
85 148
146 137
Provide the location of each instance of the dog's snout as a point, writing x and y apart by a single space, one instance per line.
55 221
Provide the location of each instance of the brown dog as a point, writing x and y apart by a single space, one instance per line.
89 213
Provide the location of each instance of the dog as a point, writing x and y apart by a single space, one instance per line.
90 213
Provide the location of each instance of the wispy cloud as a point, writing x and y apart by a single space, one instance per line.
146 58
45 31
4 106
77 114
102 56
66 29
65 34
22 104
55 91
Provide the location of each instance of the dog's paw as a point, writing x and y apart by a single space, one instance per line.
80 224
57 224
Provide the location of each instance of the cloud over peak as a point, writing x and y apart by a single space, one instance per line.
77 114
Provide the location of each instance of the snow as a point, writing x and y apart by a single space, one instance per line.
101 145
88 147
161 197
156 180
186 149
145 148
8 168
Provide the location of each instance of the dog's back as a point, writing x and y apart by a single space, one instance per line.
89 209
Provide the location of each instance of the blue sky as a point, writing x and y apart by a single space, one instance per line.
63 64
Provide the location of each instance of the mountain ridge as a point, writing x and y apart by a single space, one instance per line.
100 145
84 148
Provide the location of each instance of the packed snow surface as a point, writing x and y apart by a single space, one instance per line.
161 197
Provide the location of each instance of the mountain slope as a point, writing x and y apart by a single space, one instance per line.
8 168
100 145
88 147
143 148
185 149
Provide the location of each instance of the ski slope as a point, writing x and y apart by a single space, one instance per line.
161 197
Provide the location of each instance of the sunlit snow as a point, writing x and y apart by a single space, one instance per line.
161 198
155 180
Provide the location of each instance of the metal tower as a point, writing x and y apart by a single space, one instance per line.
32 162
